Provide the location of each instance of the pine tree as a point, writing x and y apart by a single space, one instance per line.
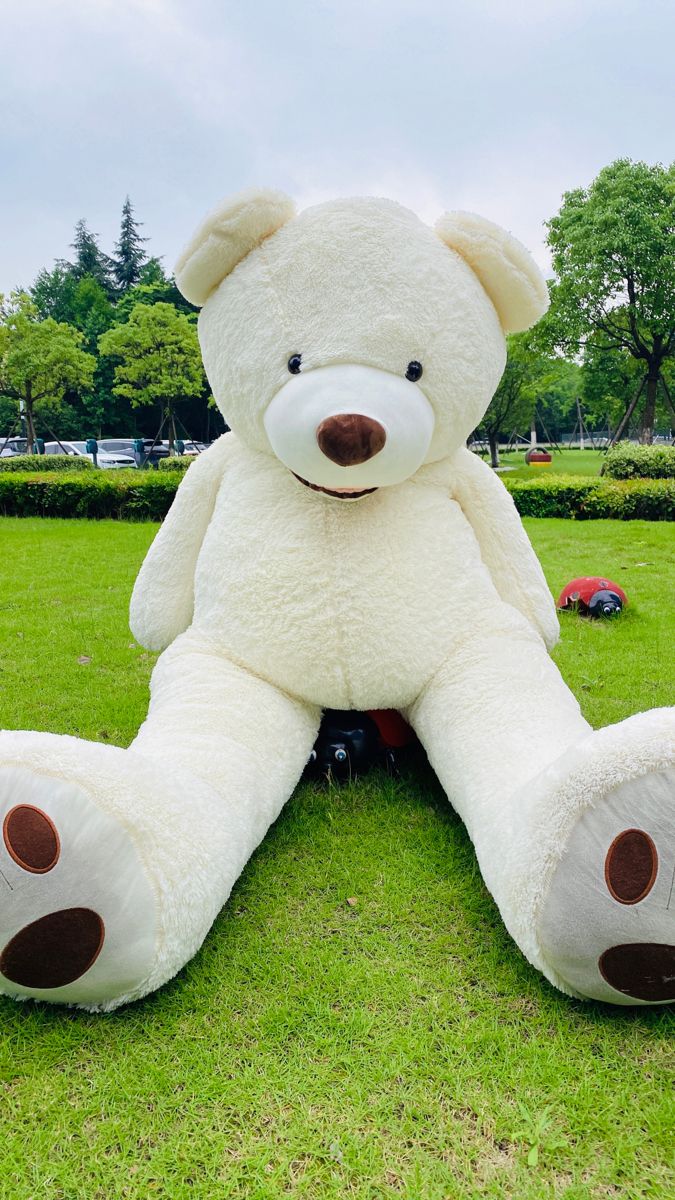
90 259
129 253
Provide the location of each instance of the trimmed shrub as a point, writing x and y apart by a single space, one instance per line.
46 462
179 462
129 495
588 499
147 496
626 461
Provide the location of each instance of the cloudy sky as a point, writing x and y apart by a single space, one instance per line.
497 106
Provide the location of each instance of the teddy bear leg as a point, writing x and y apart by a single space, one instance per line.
114 863
574 829
604 908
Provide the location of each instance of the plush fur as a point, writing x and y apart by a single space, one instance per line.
226 236
401 581
504 267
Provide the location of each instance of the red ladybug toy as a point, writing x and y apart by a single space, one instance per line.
593 596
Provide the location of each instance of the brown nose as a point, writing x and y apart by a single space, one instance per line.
350 438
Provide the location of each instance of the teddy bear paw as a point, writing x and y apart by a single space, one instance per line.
77 919
607 926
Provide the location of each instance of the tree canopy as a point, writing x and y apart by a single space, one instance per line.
158 360
39 360
613 247
152 287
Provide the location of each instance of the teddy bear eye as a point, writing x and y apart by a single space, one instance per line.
414 371
294 364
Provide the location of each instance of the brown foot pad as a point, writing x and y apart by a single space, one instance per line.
631 866
31 839
55 950
643 970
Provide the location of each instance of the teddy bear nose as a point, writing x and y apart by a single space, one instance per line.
350 438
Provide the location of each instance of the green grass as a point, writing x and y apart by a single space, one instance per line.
568 462
396 1047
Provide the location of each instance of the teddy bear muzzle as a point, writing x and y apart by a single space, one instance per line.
350 438
348 429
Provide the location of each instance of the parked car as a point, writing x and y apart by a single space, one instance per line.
117 445
10 447
152 451
106 459
190 448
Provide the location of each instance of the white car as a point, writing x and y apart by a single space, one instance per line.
190 448
107 459
10 447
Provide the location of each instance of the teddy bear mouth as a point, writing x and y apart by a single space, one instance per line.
340 494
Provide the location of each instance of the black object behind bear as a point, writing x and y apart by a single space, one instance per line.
348 744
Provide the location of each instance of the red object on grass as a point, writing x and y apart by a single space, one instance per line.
580 591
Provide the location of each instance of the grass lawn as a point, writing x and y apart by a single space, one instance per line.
568 462
398 1046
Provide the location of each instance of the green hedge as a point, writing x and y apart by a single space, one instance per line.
46 462
626 461
584 499
147 495
128 495
176 463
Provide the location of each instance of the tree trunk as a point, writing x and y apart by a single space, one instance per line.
493 439
649 411
30 426
172 432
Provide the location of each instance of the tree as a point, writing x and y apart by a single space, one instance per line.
557 388
90 259
613 250
92 313
52 292
90 310
84 303
40 361
610 379
153 287
129 253
77 300
159 361
512 405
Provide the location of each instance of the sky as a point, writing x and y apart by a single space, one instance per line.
495 106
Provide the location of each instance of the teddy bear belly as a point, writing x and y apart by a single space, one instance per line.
346 605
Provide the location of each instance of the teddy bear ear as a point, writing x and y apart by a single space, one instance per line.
505 268
227 235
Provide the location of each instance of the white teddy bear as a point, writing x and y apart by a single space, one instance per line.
341 548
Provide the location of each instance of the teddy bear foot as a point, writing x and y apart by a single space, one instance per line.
607 925
77 919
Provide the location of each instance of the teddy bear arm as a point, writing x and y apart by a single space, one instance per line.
504 545
162 601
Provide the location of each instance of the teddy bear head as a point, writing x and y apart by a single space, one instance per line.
353 341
